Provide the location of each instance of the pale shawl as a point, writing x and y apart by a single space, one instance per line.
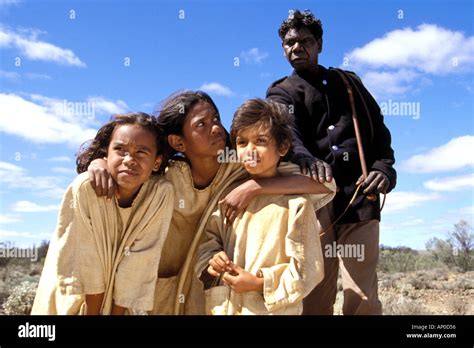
92 251
277 234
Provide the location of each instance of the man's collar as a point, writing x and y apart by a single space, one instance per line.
320 75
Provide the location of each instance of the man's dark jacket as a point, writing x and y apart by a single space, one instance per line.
324 130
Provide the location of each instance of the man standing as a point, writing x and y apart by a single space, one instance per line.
325 143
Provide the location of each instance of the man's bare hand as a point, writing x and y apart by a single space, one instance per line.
376 182
318 170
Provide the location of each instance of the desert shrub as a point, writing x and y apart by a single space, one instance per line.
464 284
405 259
390 280
399 259
17 276
457 249
458 306
442 251
421 282
21 299
401 305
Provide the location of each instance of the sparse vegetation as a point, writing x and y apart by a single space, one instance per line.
457 249
19 278
439 280
21 299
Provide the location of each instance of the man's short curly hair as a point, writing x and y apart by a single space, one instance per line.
297 20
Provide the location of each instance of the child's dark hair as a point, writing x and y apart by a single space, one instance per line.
175 108
265 113
297 20
97 148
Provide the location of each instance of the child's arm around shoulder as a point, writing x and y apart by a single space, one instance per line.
290 181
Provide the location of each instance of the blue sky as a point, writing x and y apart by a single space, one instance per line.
118 56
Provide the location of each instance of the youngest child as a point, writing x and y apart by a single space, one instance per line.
270 258
103 257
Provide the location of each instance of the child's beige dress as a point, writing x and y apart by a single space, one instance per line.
98 247
277 234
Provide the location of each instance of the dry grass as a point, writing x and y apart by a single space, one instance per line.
431 292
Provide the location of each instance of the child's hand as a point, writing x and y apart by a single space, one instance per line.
240 280
100 178
239 199
218 264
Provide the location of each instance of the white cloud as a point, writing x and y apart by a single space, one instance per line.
399 201
8 218
455 154
35 76
15 234
15 177
105 106
4 3
63 170
16 77
43 119
253 56
10 75
30 47
446 221
216 88
387 83
451 184
60 159
467 214
31 207
469 211
391 64
40 123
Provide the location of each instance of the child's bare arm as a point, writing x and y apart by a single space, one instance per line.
93 303
239 198
118 310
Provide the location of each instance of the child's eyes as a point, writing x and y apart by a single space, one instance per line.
261 141
121 152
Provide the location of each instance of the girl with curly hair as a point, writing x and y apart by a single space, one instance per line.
103 257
